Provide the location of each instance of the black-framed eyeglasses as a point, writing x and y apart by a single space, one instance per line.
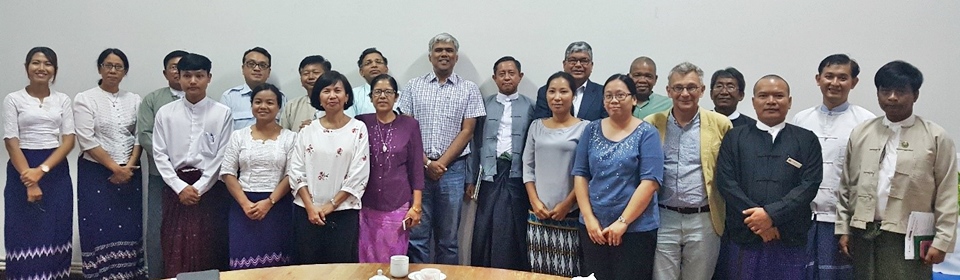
383 92
574 61
254 65
728 87
118 67
375 61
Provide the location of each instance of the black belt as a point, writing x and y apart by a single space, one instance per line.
456 159
686 210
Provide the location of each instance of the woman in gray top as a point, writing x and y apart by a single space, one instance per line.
552 222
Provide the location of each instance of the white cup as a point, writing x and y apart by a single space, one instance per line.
399 266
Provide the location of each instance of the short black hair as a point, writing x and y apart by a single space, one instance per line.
107 52
505 59
367 52
631 86
267 87
328 79
729 72
389 79
840 59
563 75
899 74
315 59
172 55
51 56
260 50
192 61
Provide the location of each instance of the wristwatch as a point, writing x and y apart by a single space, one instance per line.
44 168
622 220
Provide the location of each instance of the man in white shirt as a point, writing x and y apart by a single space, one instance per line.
298 112
372 63
832 121
189 139
256 70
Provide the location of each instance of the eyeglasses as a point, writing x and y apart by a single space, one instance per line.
574 61
371 62
254 65
118 67
618 96
383 92
728 87
173 68
680 89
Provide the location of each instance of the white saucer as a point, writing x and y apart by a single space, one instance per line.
416 276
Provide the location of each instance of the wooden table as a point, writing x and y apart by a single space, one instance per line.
363 271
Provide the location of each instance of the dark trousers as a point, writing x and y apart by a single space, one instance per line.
335 242
632 260
882 257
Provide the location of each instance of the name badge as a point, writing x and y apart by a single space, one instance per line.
794 162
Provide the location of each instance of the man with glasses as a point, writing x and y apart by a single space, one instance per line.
256 70
644 73
727 90
691 209
588 96
371 63
768 174
145 118
832 121
447 107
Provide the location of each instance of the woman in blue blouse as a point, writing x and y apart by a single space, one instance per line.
617 170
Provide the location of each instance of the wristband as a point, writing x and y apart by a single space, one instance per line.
428 164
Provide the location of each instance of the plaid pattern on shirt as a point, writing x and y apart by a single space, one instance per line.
441 109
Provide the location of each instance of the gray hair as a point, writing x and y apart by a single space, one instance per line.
445 38
578 46
686 68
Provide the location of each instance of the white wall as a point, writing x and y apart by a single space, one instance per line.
758 37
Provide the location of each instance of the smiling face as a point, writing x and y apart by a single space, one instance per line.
309 75
265 105
507 77
112 71
383 96
771 100
726 94
617 99
40 69
579 65
559 96
444 57
333 97
685 90
256 68
835 83
644 76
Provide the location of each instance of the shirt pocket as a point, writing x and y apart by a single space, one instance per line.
208 144
242 114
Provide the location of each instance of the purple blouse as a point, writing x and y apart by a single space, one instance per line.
396 156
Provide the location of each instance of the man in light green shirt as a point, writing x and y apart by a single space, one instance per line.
644 73
145 118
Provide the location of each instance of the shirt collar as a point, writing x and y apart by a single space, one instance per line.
735 115
245 90
908 122
453 79
582 88
764 127
504 99
839 109
695 119
200 105
177 93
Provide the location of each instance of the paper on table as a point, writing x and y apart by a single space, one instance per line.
920 231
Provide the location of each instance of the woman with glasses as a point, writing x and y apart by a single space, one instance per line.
328 172
617 170
392 198
554 246
38 204
254 170
109 196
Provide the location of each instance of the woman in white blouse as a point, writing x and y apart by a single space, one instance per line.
38 204
254 170
109 199
328 172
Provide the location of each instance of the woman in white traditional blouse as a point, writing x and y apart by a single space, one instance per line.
109 199
38 133
254 170
328 172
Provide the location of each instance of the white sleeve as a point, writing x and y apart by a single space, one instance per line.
66 116
296 167
160 155
211 167
11 126
231 157
85 121
359 171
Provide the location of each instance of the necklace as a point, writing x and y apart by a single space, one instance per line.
113 97
383 141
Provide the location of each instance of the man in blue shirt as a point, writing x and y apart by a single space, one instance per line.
256 71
